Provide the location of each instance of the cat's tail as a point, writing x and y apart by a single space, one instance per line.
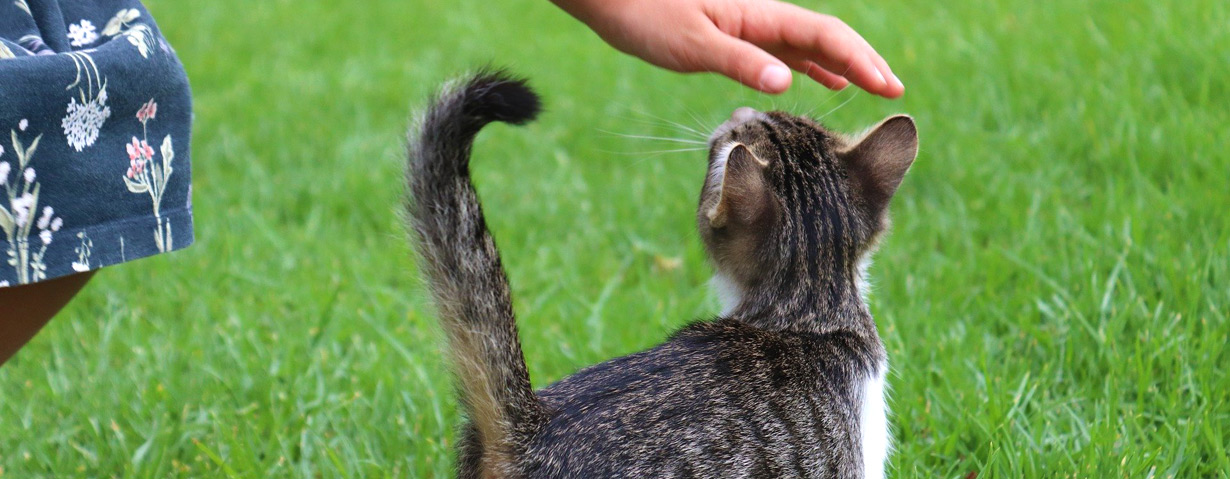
462 264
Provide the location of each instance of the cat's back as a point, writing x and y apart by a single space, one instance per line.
719 399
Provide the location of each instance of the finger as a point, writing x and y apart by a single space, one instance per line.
858 68
745 63
824 77
864 71
839 49
894 87
827 40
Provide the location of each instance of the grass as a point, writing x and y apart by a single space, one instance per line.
1054 297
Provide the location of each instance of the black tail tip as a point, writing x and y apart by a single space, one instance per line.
499 96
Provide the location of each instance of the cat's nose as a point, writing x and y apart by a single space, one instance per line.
743 114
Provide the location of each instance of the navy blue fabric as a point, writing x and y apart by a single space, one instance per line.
95 118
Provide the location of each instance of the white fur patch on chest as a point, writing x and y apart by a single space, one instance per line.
873 424
728 293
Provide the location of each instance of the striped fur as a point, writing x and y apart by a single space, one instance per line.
463 267
787 383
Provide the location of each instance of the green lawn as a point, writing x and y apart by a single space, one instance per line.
1055 296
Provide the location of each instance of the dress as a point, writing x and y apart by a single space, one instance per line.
95 118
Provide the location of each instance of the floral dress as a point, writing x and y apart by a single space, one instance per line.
95 116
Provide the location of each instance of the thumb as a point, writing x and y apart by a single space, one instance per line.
746 64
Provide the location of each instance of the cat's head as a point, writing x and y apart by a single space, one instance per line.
786 196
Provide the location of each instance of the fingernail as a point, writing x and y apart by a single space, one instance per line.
896 81
775 78
881 77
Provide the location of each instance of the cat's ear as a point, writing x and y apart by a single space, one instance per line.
744 195
878 161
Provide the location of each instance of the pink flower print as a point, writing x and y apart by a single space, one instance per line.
139 149
147 111
135 168
138 153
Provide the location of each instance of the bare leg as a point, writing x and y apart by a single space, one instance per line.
25 309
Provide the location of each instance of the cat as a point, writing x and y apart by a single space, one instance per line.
788 382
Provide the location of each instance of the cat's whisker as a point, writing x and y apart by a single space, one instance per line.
700 128
642 156
656 138
676 150
831 97
684 127
653 152
668 123
821 104
838 107
683 134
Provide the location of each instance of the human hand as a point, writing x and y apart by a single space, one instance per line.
750 41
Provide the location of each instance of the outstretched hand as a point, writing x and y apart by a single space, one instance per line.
751 41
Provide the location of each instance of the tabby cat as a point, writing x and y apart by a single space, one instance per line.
788 382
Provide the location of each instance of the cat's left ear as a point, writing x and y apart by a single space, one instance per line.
879 160
743 196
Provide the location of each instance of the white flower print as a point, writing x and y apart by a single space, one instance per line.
83 120
82 34
86 113
139 34
21 208
44 221
21 219
46 227
141 37
23 124
122 18
83 253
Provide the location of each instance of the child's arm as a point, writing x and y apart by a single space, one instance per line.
751 41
